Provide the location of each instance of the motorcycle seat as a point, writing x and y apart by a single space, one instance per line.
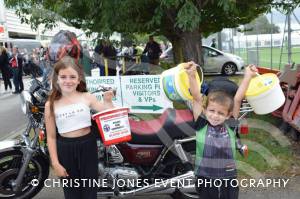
172 124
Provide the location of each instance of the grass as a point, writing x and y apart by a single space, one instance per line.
265 56
283 154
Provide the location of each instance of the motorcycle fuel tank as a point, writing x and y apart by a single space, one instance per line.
140 154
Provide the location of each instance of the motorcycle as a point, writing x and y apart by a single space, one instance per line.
158 160
25 159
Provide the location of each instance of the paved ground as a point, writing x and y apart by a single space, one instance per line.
12 119
291 191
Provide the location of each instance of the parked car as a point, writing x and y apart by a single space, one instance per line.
215 61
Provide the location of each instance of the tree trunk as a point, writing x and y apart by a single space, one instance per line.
192 46
177 51
186 46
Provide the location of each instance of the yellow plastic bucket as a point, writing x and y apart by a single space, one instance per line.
175 83
264 94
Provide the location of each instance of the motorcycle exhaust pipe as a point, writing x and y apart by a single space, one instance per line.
163 187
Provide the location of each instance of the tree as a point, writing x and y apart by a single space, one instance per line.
261 25
182 22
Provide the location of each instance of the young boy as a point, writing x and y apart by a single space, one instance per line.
215 167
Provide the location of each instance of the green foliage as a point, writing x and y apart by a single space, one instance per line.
127 39
286 6
178 20
171 3
261 25
166 65
142 38
188 17
131 16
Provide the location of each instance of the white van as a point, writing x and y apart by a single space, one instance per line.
22 44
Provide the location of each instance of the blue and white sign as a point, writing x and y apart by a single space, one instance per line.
140 93
143 94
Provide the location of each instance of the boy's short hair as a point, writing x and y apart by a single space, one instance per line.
221 97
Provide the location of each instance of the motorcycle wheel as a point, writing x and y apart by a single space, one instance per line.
10 163
180 169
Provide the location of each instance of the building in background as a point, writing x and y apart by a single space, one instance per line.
12 28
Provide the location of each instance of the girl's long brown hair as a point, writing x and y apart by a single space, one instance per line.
64 63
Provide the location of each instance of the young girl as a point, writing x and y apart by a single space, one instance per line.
73 151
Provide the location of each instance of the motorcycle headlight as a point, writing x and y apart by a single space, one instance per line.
41 95
25 101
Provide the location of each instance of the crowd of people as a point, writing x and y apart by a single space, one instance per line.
148 54
34 62
15 63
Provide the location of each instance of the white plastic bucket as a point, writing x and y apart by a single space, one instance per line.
113 125
264 94
175 83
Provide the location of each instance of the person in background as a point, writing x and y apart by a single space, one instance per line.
86 60
43 63
25 55
4 68
135 50
35 57
110 53
73 150
16 64
8 47
48 69
34 61
163 47
98 52
213 43
153 51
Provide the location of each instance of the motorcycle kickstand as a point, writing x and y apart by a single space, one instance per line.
116 192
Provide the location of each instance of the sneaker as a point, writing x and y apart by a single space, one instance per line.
15 92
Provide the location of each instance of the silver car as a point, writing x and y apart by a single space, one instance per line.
215 61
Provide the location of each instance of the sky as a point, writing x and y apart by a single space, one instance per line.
279 19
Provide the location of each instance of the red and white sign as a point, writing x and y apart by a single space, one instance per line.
1 29
113 125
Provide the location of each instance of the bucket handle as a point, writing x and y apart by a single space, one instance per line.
262 80
201 78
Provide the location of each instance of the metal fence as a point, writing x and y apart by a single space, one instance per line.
272 50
